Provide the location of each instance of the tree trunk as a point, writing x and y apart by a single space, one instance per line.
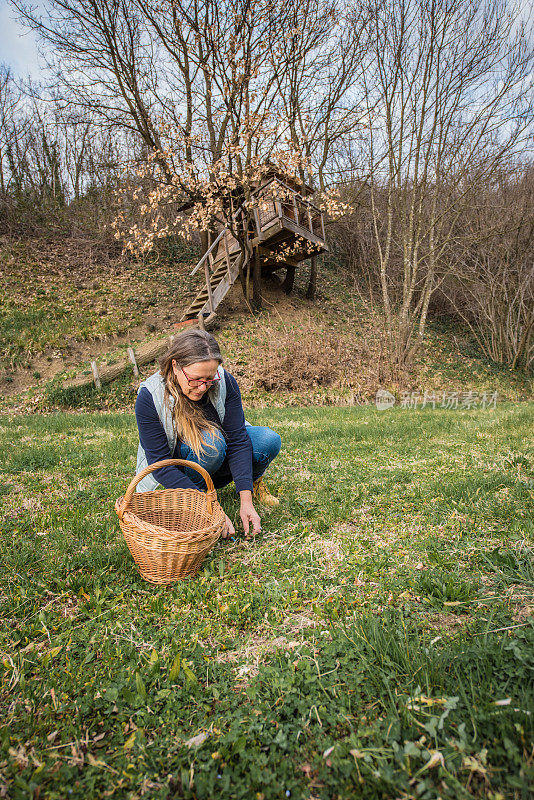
312 284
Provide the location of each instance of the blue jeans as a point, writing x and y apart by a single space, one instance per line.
266 445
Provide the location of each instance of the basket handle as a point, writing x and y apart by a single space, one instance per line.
211 494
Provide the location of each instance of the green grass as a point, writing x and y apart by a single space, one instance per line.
375 641
60 293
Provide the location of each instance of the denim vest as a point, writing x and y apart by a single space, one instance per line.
156 386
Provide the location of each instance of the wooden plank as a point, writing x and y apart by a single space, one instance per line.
311 237
208 251
220 292
267 234
208 285
227 255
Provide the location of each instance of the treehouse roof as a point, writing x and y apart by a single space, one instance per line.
290 180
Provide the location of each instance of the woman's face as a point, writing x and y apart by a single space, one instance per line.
199 371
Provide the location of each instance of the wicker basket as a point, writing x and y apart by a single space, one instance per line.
169 532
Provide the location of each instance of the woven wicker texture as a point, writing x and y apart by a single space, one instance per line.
169 532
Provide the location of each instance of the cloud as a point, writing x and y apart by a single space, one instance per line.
18 45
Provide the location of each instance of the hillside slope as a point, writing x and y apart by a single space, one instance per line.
68 302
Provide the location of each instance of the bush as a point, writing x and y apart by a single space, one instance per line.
294 359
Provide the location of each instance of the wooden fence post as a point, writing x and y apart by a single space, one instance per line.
96 376
131 356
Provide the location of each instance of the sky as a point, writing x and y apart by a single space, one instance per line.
18 46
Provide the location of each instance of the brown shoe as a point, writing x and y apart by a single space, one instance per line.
261 495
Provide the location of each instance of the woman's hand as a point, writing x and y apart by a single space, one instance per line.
249 515
229 529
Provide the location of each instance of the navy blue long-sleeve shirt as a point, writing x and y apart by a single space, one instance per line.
238 445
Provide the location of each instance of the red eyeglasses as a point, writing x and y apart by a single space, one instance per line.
199 381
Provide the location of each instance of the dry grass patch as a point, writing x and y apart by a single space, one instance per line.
325 552
256 649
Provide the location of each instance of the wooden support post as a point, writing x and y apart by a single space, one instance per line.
96 376
131 356
201 321
208 286
289 279
256 280
312 285
257 221
227 257
204 241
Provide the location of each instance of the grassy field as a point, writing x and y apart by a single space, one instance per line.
375 641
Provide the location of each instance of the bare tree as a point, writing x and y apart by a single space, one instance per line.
9 102
491 284
187 62
228 84
448 100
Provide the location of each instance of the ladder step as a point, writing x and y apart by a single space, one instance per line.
217 278
222 269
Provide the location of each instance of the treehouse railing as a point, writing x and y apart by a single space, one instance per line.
206 257
207 261
293 207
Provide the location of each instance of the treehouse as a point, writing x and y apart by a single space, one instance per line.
284 229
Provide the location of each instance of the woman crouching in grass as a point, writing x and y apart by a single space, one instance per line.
191 409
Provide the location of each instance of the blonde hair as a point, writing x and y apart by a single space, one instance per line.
190 423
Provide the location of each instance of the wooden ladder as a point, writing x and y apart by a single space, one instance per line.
219 275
